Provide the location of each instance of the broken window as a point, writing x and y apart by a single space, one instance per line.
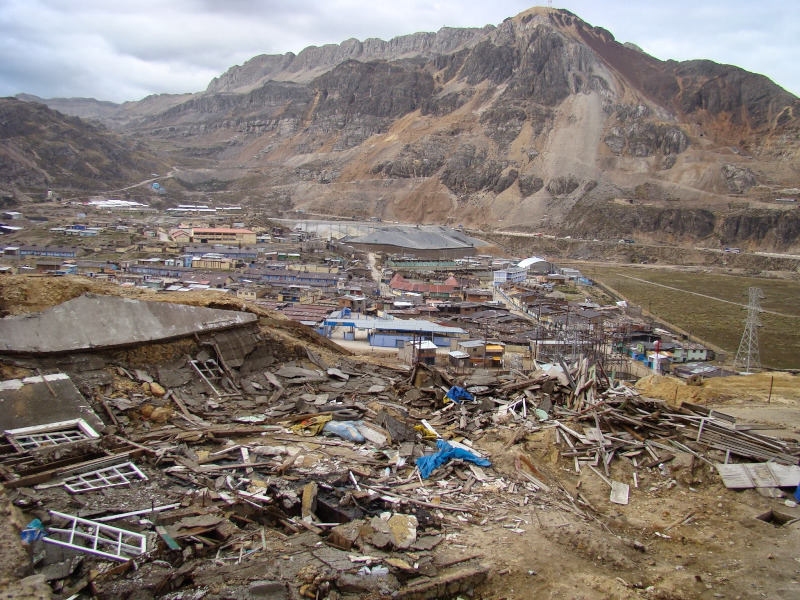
95 538
122 474
51 434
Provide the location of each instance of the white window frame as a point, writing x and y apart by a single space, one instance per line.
96 538
113 476
50 434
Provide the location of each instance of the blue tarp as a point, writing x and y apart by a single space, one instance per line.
430 462
459 394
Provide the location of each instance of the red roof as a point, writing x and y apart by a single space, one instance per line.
398 282
452 281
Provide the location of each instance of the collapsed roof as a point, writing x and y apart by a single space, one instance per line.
93 321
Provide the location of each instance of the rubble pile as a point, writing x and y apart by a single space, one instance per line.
231 472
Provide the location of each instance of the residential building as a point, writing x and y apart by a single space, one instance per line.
356 304
215 262
399 284
510 275
394 333
244 254
55 251
418 351
252 293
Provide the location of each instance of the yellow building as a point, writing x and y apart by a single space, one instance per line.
208 235
213 262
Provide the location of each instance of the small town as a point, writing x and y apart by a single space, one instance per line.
425 294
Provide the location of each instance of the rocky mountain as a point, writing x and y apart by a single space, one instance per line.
541 123
42 149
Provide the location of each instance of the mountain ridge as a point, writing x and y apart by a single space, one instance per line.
532 121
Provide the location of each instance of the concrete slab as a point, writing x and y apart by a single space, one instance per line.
93 321
33 401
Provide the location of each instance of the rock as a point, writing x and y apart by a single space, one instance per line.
272 590
338 374
682 460
157 390
349 583
377 533
427 542
561 186
143 376
161 414
412 395
380 540
739 179
402 530
400 564
295 372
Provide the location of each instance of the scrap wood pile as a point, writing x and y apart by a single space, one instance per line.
332 481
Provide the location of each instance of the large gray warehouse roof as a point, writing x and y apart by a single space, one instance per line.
416 238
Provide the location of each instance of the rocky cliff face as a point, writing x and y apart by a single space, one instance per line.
522 123
315 60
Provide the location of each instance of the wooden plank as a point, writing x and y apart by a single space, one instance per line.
168 539
192 418
735 477
761 475
785 475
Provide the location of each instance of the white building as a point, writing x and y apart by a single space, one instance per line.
511 275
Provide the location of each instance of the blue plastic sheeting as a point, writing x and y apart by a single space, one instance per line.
429 463
459 394
34 531
347 430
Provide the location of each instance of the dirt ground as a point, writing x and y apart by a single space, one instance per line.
721 551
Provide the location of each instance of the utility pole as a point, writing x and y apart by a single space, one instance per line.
748 357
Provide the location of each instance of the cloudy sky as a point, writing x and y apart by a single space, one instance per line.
126 49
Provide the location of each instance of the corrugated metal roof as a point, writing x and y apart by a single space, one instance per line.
422 238
409 325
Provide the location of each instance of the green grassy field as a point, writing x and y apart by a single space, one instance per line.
717 322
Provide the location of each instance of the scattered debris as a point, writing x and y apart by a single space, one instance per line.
313 476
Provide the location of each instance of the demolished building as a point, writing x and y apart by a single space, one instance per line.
227 453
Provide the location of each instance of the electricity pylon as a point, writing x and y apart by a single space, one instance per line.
748 357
